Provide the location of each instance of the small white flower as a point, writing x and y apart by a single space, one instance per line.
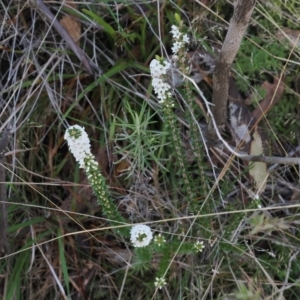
272 254
185 39
160 282
159 68
179 39
159 240
154 68
198 246
141 235
175 32
257 201
79 143
176 47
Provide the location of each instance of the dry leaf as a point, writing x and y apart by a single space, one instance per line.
70 23
258 170
290 35
274 94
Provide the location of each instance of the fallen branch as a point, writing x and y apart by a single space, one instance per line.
272 159
286 160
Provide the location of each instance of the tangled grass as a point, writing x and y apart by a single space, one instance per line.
60 245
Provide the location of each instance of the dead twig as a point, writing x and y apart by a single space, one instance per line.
287 160
272 159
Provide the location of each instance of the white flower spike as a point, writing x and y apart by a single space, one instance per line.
158 70
78 142
179 38
80 147
141 235
175 32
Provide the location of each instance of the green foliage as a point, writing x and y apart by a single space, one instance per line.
256 56
138 140
282 118
276 14
63 262
142 259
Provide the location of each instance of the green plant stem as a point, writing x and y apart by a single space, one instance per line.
99 186
170 118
